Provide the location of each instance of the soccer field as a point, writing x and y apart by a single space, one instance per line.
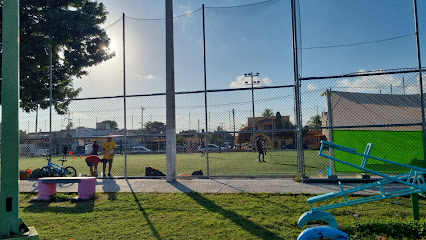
278 163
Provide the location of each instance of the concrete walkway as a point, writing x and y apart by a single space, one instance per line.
213 185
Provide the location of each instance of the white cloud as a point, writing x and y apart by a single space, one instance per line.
415 89
243 82
146 77
372 84
311 87
266 81
238 83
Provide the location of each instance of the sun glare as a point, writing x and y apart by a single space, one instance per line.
112 46
109 49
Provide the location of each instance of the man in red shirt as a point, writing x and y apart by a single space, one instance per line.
92 161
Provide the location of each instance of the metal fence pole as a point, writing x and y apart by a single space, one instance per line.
422 102
170 96
300 156
50 101
205 94
124 96
330 125
9 196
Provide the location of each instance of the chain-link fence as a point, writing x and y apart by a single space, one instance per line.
221 108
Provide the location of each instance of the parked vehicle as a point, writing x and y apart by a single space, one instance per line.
294 146
210 148
226 147
180 148
140 149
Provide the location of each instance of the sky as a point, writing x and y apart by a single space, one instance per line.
241 37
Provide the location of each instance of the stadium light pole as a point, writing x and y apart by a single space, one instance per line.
251 75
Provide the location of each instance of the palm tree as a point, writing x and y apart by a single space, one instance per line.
315 121
268 113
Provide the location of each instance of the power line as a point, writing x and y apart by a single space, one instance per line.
360 43
113 23
244 5
157 19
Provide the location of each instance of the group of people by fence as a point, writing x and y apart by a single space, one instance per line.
109 149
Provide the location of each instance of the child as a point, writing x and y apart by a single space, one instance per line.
92 161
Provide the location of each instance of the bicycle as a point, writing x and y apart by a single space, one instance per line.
56 170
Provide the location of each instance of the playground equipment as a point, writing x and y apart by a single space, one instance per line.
412 182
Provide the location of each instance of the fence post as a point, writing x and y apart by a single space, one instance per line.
422 103
170 96
330 125
205 94
298 113
124 97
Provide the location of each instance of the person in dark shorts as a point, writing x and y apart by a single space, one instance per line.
202 145
95 148
92 162
259 147
65 152
109 151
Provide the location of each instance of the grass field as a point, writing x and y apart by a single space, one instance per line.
225 163
207 216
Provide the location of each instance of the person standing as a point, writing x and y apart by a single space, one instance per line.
109 151
65 152
95 148
259 146
202 145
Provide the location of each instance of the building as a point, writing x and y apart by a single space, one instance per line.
267 127
391 122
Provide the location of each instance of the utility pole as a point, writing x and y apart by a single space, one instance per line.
142 117
230 121
251 75
233 118
36 120
403 85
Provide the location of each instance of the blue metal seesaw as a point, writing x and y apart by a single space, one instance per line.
412 180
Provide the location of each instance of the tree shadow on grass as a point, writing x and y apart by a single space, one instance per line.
285 164
85 206
239 220
251 194
150 224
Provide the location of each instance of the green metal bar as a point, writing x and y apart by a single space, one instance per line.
9 200
415 206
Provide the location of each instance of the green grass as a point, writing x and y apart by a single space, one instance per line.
225 163
195 216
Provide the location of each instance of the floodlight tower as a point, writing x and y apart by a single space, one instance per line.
251 75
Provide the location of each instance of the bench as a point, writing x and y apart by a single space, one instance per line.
47 187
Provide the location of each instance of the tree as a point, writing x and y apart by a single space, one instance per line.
158 126
315 121
188 131
278 121
72 29
111 124
268 113
284 125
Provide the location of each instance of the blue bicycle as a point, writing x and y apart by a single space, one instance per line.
56 170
